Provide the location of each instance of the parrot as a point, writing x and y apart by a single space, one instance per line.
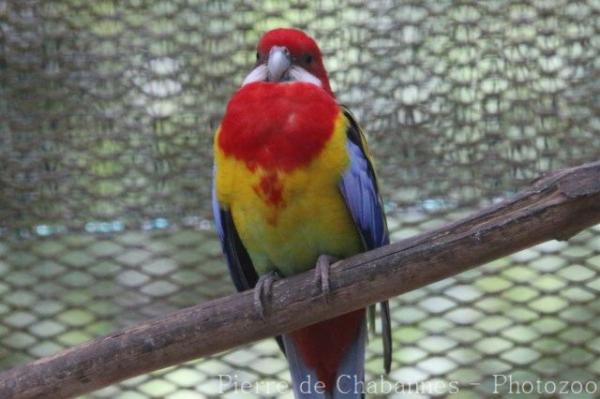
295 189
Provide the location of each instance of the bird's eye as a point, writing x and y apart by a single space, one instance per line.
257 56
308 59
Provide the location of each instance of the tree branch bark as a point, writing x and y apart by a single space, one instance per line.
554 207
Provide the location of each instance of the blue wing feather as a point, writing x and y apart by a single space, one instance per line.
359 189
361 193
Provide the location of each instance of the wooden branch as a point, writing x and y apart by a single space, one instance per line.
555 207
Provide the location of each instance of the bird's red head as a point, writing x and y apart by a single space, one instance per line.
287 54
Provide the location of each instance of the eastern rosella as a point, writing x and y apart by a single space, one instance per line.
294 187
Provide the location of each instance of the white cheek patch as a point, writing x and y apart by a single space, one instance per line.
258 74
300 74
296 73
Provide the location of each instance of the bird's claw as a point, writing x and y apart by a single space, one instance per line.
322 274
262 291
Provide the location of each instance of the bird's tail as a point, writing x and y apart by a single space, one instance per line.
327 359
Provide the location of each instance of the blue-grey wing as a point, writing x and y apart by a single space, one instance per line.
360 190
361 193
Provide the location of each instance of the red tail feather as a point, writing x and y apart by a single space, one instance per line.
323 345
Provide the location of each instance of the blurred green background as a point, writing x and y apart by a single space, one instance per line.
107 111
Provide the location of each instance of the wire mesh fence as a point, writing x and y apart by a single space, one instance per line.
107 111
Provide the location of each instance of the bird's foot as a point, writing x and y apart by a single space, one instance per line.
262 292
322 274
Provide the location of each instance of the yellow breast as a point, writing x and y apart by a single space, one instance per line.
286 219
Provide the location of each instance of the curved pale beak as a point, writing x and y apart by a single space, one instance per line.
278 64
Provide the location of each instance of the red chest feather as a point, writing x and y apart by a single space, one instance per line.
277 125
